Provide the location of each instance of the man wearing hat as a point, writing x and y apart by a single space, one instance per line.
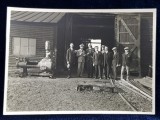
115 62
107 63
81 60
89 60
70 58
126 60
97 61
102 65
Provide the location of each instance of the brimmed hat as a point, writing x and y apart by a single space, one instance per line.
126 48
114 48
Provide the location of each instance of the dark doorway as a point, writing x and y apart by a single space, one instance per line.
79 28
93 26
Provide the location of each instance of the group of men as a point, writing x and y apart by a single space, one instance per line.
99 63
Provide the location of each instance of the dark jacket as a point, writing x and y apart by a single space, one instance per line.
115 59
89 55
70 56
107 58
97 58
126 59
81 57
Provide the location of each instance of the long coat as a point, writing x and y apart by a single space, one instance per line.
70 56
107 59
89 56
97 58
81 55
115 59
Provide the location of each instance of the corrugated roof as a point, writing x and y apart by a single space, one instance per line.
26 16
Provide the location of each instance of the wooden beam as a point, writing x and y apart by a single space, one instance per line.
98 26
130 33
126 101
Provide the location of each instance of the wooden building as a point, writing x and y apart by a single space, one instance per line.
30 30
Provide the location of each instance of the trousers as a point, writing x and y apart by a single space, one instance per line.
80 69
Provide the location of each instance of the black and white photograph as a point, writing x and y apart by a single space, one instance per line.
80 61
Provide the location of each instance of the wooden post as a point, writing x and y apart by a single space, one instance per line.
117 30
68 30
138 44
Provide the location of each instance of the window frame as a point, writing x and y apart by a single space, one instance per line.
12 44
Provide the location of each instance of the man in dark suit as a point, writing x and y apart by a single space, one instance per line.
102 66
89 60
97 62
81 60
70 58
126 60
115 62
107 62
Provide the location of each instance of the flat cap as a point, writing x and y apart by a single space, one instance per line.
126 48
114 48
81 45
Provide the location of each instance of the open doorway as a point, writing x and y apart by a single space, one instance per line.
93 26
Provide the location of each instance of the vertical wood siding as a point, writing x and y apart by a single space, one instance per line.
146 43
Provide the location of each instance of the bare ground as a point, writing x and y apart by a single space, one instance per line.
44 94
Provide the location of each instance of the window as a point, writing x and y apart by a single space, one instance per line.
24 46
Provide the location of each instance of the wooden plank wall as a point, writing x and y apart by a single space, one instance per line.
40 32
146 42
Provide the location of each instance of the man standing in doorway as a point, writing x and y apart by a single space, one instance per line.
89 62
97 61
126 60
107 63
70 58
102 65
81 60
115 62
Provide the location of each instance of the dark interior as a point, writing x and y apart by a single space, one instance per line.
89 27
84 27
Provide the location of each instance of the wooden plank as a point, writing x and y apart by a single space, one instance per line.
136 88
130 33
57 18
138 45
40 19
51 17
28 16
126 101
137 92
145 82
32 19
17 14
20 16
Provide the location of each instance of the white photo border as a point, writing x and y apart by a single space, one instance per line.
9 9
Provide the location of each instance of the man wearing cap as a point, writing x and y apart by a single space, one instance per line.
126 60
97 61
89 60
102 65
70 58
107 62
115 62
81 60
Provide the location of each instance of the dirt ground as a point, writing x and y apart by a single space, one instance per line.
44 94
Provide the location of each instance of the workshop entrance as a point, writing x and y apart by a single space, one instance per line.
110 29
84 28
90 26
